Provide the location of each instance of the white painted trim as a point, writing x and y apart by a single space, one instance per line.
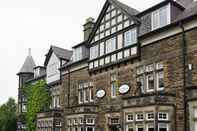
168 33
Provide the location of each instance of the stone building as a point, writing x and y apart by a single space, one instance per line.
30 73
134 71
140 71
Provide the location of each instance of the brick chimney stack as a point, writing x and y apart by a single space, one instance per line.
88 26
185 3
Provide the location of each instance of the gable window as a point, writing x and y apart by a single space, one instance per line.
107 17
130 37
110 45
102 49
77 54
113 22
161 17
120 41
113 13
102 27
94 52
119 18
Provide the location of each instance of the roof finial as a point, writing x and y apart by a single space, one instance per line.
29 51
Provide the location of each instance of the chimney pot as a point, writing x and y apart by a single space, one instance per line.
88 27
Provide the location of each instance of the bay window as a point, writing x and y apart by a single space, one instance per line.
160 81
161 17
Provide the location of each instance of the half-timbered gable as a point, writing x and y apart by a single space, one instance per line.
114 36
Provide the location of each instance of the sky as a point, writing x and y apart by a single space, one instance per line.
37 24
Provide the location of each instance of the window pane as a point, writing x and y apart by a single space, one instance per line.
160 80
113 89
120 18
120 41
102 48
130 37
150 82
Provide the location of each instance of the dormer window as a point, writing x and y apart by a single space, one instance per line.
161 17
77 55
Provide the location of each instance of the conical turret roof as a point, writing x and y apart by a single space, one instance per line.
29 64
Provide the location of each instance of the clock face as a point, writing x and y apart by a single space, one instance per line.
100 93
124 89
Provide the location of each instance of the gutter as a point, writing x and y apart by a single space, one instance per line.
184 61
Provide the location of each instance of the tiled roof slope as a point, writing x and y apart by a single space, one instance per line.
28 66
189 11
62 53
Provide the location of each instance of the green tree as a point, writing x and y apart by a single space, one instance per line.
38 99
8 116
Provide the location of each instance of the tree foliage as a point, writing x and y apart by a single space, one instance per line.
8 117
38 99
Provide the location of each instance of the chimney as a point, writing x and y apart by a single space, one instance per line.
184 3
88 26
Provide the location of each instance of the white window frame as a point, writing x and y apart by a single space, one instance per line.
129 126
161 119
130 37
139 125
90 127
157 80
147 83
127 117
157 13
195 112
137 116
148 125
91 95
102 49
90 123
149 118
167 126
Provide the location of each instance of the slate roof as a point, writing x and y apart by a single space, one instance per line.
28 66
59 52
62 53
190 10
124 7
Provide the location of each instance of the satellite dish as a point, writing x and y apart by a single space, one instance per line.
100 93
124 89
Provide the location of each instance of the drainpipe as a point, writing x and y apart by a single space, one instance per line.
184 61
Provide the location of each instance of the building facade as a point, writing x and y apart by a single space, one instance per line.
134 71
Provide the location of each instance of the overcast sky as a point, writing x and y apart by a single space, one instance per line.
37 24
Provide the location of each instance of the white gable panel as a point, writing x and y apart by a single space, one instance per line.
114 20
53 73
